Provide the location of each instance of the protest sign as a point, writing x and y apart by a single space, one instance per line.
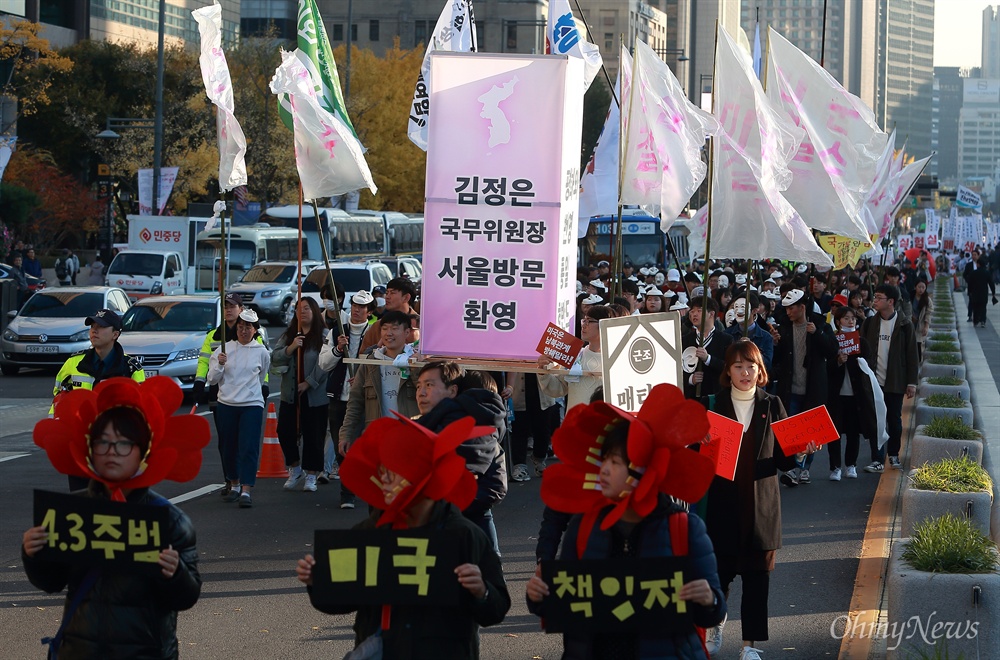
845 251
89 531
724 449
849 343
560 346
386 567
620 595
795 432
639 352
503 182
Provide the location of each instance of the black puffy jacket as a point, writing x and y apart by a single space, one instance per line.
483 455
125 615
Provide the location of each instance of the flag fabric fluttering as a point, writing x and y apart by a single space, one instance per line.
599 183
878 201
750 217
315 45
219 87
663 166
563 37
455 32
758 55
836 163
329 157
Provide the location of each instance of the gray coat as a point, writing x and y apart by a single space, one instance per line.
313 373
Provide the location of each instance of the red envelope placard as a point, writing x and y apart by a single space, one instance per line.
795 432
559 346
849 343
724 449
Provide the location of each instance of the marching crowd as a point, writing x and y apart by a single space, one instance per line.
761 342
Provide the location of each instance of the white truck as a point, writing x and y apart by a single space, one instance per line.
159 258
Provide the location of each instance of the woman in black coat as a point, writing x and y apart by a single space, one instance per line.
744 515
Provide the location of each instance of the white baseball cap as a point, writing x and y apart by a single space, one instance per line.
362 298
673 275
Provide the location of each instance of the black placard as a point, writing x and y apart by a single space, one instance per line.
616 596
93 531
386 567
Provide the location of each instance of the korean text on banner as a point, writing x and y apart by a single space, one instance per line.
724 448
638 353
849 343
563 37
503 173
795 432
968 199
559 345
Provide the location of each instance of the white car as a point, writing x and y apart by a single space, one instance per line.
353 276
165 334
51 326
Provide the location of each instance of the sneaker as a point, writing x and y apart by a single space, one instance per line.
713 638
226 490
295 479
347 504
233 494
804 476
310 485
520 473
894 462
539 465
323 478
835 474
851 472
335 472
245 501
750 653
790 478
875 468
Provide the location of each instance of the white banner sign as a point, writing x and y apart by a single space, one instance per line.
967 199
167 177
502 196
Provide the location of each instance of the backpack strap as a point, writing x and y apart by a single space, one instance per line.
679 533
86 585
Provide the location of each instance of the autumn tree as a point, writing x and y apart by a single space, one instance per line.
64 210
28 67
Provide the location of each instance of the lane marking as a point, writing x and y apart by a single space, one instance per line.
204 490
10 458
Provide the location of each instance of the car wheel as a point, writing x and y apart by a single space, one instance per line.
9 369
285 315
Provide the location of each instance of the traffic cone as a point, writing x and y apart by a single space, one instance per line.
272 461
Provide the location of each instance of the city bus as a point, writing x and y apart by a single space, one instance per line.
247 245
642 241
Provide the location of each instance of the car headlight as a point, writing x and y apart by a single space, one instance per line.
157 289
10 335
270 293
188 354
83 335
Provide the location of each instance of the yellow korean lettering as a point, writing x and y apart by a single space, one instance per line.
107 525
610 586
586 608
420 561
585 586
371 565
656 592
343 564
564 583
676 583
623 611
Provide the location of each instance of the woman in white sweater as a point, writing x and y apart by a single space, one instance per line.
239 372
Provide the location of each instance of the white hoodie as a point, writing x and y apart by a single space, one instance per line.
241 379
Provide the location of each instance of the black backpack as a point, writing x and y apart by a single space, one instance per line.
61 271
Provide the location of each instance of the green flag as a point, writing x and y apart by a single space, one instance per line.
313 42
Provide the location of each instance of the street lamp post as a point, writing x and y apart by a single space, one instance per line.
681 56
705 91
107 136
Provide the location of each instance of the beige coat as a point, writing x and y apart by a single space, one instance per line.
364 405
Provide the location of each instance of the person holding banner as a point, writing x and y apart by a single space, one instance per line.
416 481
743 516
851 401
125 438
574 384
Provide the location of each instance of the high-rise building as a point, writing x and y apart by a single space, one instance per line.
274 17
612 20
979 129
991 42
948 93
703 17
904 90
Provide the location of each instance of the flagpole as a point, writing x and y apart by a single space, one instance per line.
223 270
746 310
623 130
299 361
708 232
329 275
590 38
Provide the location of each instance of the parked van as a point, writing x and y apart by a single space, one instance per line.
246 246
144 273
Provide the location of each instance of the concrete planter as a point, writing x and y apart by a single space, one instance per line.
942 327
926 449
927 389
926 413
937 600
952 333
928 370
918 505
934 354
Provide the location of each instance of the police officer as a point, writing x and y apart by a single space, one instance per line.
231 308
104 359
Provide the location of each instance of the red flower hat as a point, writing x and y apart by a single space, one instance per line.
660 460
175 441
426 460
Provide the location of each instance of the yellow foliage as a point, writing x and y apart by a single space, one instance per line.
35 63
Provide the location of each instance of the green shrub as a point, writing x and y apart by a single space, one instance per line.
944 401
942 346
951 381
950 545
941 336
944 358
950 427
952 475
943 320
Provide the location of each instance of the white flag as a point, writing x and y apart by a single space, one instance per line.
875 203
968 199
168 175
903 182
329 158
219 87
599 183
455 32
7 144
562 37
750 217
666 133
837 160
